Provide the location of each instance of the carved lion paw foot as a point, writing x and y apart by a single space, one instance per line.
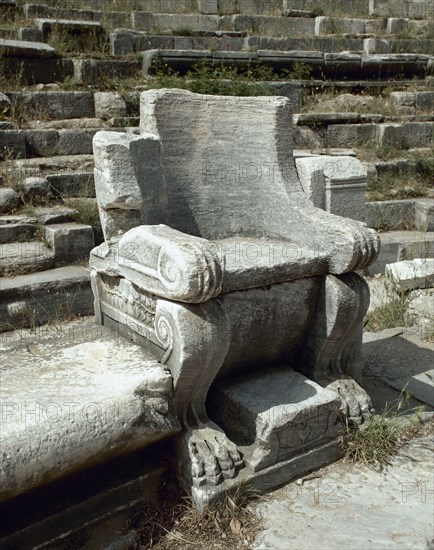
213 456
356 404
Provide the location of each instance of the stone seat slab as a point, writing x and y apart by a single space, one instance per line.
254 263
71 25
21 48
70 406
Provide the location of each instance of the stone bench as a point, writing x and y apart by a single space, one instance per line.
76 406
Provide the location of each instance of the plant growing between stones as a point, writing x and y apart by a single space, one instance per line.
390 314
375 442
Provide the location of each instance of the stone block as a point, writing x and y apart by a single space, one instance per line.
390 135
375 45
336 184
109 104
350 135
417 134
76 184
425 101
376 27
122 43
73 26
390 215
35 188
396 25
70 242
55 105
191 22
9 199
342 64
30 35
403 99
143 21
122 402
21 48
402 245
209 7
12 143
412 274
424 214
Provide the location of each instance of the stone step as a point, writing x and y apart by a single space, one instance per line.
50 142
23 227
45 166
402 245
26 49
75 184
330 65
18 258
125 41
68 26
399 215
36 298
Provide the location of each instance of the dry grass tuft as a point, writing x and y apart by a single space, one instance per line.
176 524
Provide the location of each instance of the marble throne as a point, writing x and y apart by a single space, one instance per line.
218 263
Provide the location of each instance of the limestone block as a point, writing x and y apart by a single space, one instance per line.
336 184
375 45
143 21
402 245
396 25
54 105
109 104
375 26
9 199
70 242
86 403
209 7
390 215
30 35
307 138
121 43
350 135
192 22
12 143
424 214
35 187
21 48
403 99
420 311
417 134
390 135
425 101
68 25
345 63
411 274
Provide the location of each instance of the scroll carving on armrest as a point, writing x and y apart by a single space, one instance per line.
170 264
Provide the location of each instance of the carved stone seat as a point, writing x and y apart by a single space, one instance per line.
217 262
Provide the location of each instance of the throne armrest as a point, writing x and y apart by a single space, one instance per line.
170 264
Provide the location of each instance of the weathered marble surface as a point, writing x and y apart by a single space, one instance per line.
64 407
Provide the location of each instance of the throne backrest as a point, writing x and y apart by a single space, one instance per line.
227 161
